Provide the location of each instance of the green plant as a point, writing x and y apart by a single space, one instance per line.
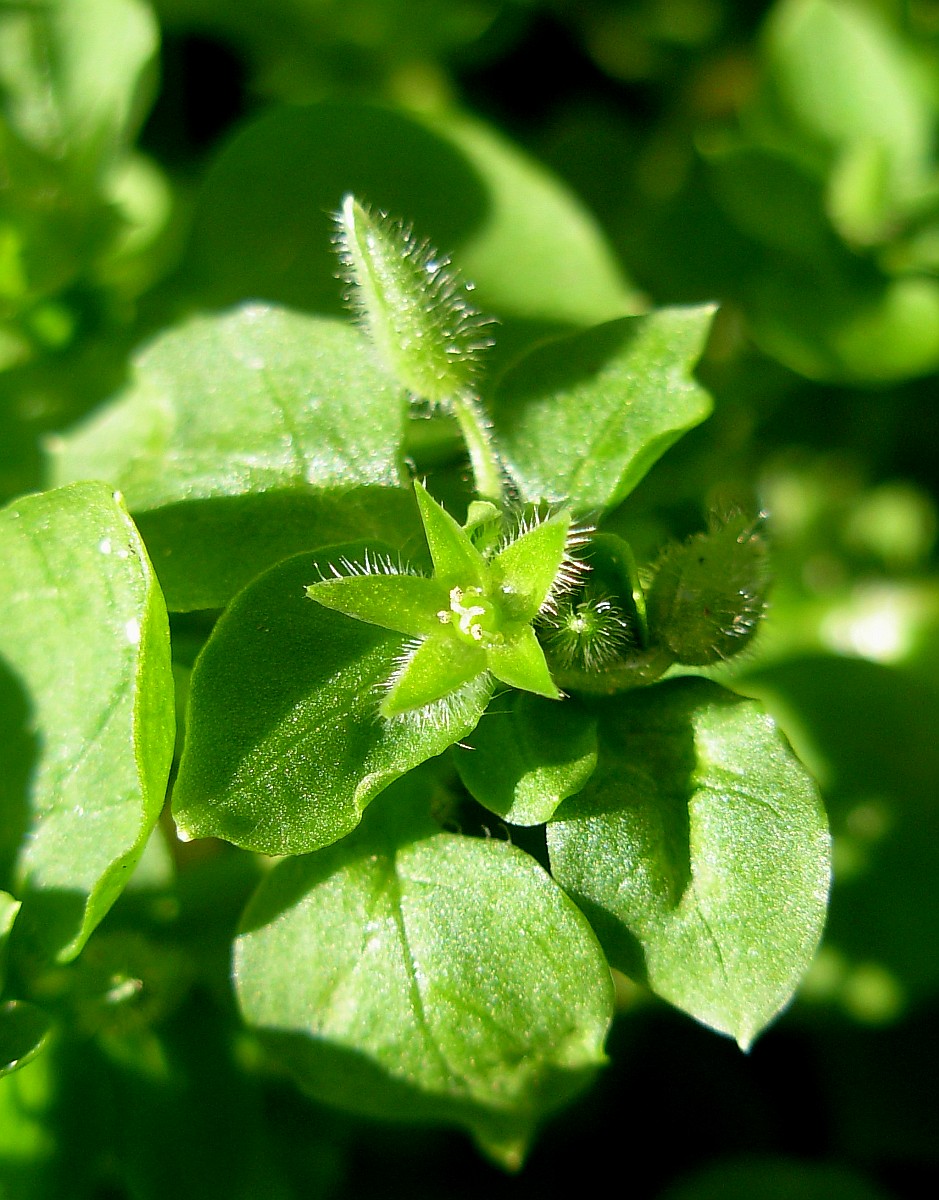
382 673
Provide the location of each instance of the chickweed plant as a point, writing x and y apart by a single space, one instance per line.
479 758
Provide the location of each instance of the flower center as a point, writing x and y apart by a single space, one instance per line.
473 617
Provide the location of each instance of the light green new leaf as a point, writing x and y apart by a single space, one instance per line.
839 77
84 629
435 669
403 603
259 401
72 73
526 755
700 852
530 566
583 418
285 746
418 975
456 560
519 661
472 619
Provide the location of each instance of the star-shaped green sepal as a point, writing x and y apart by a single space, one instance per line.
471 617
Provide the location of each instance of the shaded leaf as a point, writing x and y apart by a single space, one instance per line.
867 731
205 551
527 755
24 1031
262 228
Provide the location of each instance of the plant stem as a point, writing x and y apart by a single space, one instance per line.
488 474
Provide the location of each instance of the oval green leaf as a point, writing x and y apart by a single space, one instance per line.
84 629
256 402
416 975
285 746
581 419
700 852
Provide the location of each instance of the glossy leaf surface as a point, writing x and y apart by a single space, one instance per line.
256 402
84 630
285 745
409 973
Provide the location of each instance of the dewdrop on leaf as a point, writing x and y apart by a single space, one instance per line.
411 303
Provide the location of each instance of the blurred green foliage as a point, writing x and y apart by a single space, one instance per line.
780 159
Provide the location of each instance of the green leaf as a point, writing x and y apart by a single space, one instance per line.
73 75
262 227
252 401
8 910
206 551
837 328
403 603
85 630
456 560
256 402
435 669
526 755
700 851
519 661
529 566
418 975
583 418
27 1106
285 746
839 75
24 1031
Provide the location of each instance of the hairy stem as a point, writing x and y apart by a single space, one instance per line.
488 474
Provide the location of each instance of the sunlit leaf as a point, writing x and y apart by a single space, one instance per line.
84 629
583 418
699 849
408 973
